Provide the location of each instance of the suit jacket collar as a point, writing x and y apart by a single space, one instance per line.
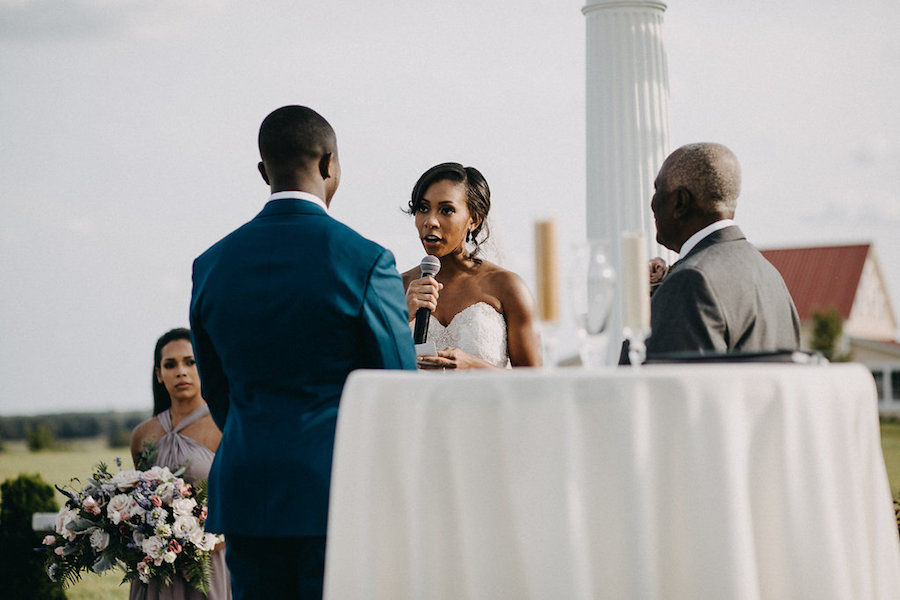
728 234
290 206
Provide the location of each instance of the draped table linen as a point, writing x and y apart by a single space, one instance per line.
739 481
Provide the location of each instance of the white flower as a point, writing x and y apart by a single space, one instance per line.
166 490
117 505
169 556
183 527
209 541
196 537
125 480
153 546
163 530
63 518
184 507
156 516
154 474
99 540
135 509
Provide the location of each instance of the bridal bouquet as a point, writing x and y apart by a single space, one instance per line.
147 523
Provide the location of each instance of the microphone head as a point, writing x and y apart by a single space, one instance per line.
430 265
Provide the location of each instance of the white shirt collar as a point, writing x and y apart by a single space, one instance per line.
299 196
697 237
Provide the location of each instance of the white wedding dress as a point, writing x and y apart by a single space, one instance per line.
477 329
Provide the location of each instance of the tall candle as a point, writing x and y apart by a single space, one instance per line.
547 270
636 282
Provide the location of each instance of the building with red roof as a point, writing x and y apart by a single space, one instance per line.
848 279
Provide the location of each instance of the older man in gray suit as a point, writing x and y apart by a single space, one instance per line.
722 295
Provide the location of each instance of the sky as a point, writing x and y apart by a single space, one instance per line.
128 143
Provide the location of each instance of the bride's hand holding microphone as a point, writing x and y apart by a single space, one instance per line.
421 300
422 293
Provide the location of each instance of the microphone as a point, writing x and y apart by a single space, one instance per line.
430 265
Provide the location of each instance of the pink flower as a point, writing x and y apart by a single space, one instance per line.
58 551
156 500
657 270
184 489
143 569
49 539
174 546
90 505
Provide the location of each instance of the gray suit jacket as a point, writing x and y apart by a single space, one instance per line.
723 296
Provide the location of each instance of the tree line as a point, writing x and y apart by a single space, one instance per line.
41 431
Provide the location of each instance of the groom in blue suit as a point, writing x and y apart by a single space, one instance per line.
282 310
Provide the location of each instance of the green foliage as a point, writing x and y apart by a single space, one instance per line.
21 561
199 573
40 437
827 330
146 458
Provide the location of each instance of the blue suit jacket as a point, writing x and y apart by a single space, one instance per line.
282 310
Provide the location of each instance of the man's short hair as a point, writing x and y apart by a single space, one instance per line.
711 172
294 136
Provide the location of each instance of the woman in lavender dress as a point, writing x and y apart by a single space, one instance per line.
185 436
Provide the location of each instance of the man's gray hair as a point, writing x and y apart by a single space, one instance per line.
711 172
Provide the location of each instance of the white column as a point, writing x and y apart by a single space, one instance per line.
627 124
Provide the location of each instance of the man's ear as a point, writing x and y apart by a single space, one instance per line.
684 203
326 165
262 171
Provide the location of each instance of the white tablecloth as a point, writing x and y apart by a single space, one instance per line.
691 482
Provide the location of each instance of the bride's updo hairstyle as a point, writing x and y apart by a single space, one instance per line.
478 197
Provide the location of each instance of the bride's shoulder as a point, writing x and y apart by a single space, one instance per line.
507 285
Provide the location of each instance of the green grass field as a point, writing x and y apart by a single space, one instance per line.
890 444
77 459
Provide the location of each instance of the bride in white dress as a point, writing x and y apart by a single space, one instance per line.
482 316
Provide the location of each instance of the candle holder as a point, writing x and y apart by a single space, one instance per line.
549 332
637 346
636 281
592 288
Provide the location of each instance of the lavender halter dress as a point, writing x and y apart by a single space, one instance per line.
175 450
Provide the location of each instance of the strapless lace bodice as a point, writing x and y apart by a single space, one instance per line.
477 329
